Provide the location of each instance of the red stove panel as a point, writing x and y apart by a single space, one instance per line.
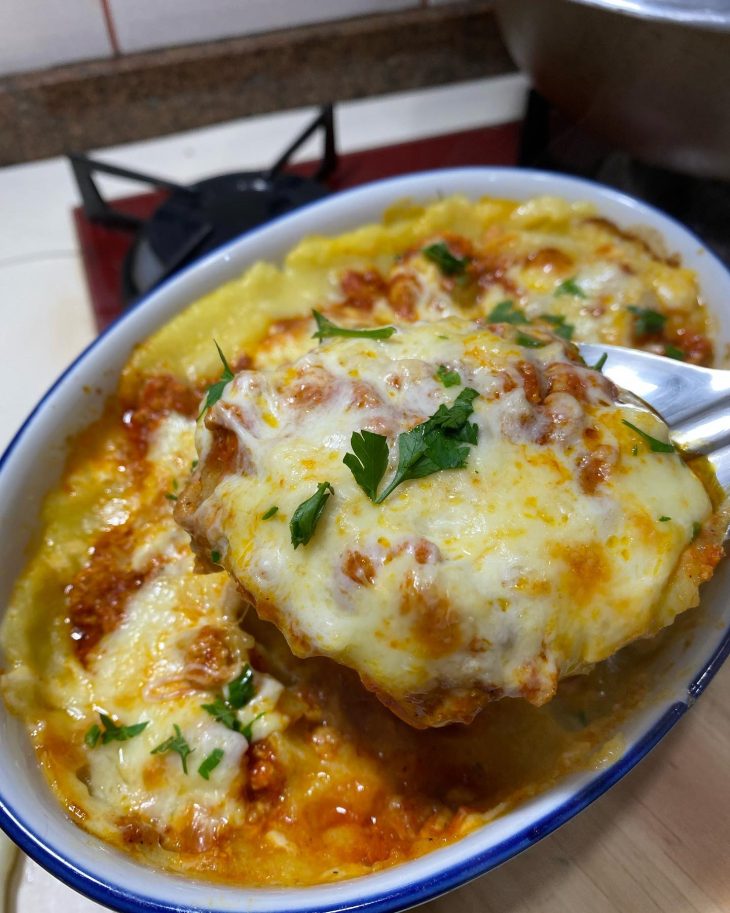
103 248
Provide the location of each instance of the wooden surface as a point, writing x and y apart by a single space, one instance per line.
658 842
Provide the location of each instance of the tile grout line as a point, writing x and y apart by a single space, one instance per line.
110 28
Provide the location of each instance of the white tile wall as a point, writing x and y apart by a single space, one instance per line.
143 24
41 33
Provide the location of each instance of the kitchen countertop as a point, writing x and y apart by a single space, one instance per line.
658 842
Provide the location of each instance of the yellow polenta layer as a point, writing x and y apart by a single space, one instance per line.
240 311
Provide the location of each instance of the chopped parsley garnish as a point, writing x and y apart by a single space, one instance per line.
675 353
112 732
305 518
655 445
270 512
240 691
222 712
210 763
326 329
664 519
170 496
215 557
247 730
506 312
368 461
447 377
194 465
598 366
647 321
634 450
236 694
178 744
215 391
696 529
430 447
570 287
448 263
528 342
453 418
562 328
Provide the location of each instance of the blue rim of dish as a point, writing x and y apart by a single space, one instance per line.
453 876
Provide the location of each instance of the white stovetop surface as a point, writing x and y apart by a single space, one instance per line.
44 306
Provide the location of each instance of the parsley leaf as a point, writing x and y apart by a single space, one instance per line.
647 321
247 730
215 557
570 287
325 329
368 461
305 518
222 712
598 366
435 444
215 391
240 691
506 312
115 733
448 378
562 328
468 433
674 352
454 416
655 445
178 744
428 448
93 734
270 512
529 342
170 496
696 530
664 519
210 763
448 263
236 694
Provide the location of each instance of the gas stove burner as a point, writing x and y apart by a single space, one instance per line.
196 219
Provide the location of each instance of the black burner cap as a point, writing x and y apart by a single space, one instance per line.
197 219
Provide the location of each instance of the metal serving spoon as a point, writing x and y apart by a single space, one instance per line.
693 401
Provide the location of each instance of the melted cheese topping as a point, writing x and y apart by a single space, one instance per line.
520 251
543 555
111 616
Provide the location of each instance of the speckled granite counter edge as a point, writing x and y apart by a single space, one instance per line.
134 97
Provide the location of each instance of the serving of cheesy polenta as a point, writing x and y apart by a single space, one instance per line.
545 522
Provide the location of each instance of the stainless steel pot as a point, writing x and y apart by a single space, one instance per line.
650 76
